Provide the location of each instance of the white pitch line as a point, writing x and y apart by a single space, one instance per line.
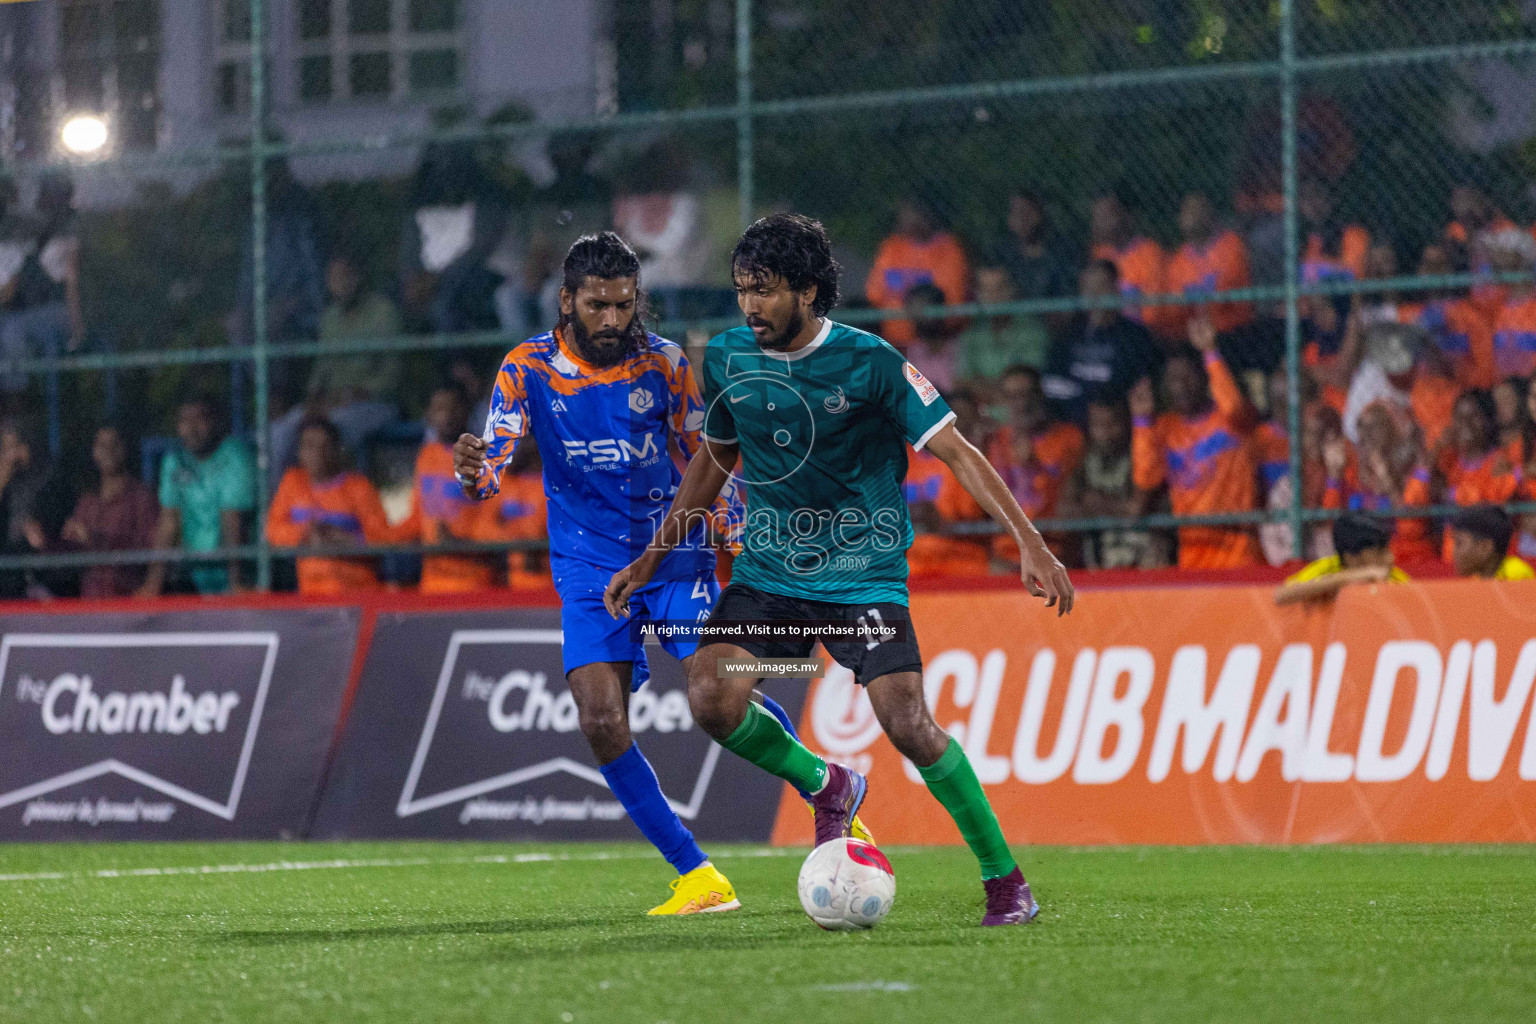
403 862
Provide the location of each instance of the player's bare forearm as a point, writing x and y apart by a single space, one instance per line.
1328 586
981 481
702 481
1043 575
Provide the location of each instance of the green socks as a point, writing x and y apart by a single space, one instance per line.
952 781
763 741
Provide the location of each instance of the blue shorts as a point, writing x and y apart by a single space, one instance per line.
590 634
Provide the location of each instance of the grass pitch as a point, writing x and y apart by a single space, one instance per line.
482 932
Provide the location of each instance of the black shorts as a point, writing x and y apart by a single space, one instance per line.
866 658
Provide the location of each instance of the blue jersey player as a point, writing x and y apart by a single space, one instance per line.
608 404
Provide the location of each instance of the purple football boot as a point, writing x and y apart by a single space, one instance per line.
838 802
1009 900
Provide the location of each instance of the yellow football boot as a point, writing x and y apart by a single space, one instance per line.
704 890
860 831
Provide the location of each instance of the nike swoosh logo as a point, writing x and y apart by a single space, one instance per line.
739 398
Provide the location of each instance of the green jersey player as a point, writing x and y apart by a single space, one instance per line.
820 415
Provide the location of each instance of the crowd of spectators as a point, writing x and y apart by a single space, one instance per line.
1130 407
1407 400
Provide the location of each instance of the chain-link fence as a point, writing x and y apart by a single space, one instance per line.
248 146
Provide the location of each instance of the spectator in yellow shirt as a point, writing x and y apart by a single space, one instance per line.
1480 545
1364 555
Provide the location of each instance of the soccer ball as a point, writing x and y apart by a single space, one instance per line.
847 884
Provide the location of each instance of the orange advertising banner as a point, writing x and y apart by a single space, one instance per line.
1208 715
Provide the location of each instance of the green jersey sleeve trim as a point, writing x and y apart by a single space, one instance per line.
928 434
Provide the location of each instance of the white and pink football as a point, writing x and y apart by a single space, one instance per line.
847 885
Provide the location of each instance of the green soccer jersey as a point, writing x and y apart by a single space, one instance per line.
823 434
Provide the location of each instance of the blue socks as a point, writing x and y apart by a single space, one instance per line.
773 708
633 781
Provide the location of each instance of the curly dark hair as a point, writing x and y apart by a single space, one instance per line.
793 247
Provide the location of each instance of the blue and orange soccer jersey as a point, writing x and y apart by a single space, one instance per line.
521 513
1272 453
1493 478
1486 297
1349 265
1056 453
1514 337
1461 333
1208 465
441 511
1140 263
1411 537
347 502
1218 266
604 433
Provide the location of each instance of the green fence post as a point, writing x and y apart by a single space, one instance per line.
1292 267
744 166
259 325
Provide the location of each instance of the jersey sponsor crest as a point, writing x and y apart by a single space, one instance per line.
641 399
924 388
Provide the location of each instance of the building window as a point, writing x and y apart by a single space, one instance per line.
110 65
378 49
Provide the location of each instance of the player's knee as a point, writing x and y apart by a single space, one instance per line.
606 728
712 709
914 733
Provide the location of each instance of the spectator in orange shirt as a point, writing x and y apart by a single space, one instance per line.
440 510
1033 453
916 253
1386 472
318 503
1212 259
521 513
937 502
1477 223
1460 332
1334 250
1200 449
1474 468
1138 259
1514 329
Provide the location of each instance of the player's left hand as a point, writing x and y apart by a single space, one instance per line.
1045 576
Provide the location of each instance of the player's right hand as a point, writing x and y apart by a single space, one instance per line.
623 585
469 456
